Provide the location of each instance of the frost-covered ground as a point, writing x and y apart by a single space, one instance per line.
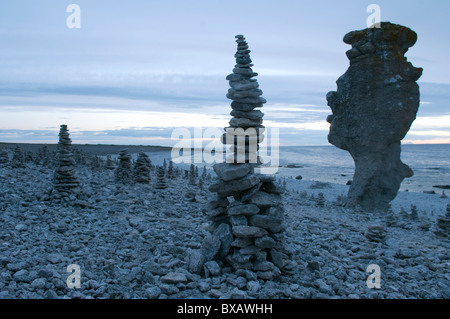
134 241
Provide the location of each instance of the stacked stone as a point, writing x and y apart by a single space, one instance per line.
4 157
142 168
124 172
192 179
443 222
161 182
247 213
170 171
109 163
246 96
18 160
376 233
65 180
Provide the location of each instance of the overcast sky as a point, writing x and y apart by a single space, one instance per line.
137 69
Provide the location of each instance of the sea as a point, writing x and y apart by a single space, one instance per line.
429 162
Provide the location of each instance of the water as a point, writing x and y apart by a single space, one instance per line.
430 163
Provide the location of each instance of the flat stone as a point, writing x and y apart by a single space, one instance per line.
244 209
174 278
250 250
232 187
264 200
252 115
245 107
239 220
244 122
228 171
265 242
273 224
244 85
248 231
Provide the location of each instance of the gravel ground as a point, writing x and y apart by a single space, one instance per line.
135 241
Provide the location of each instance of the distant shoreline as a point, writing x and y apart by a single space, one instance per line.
97 149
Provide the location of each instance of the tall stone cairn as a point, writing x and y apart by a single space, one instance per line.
376 102
65 180
142 168
124 171
246 212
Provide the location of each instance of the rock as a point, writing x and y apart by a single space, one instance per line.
174 278
124 171
375 233
271 223
211 268
210 247
39 283
265 242
22 275
248 231
229 171
223 233
168 289
196 261
373 108
313 265
20 227
265 200
50 294
234 186
152 292
243 209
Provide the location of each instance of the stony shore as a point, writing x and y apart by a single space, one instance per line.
135 241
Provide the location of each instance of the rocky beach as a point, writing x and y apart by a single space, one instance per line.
136 240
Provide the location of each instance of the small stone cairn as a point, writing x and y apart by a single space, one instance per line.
161 182
65 180
124 171
4 157
18 160
142 168
443 223
109 163
246 213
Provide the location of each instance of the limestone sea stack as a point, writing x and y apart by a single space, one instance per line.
246 212
65 180
376 102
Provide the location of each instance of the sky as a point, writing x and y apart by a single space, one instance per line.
135 71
